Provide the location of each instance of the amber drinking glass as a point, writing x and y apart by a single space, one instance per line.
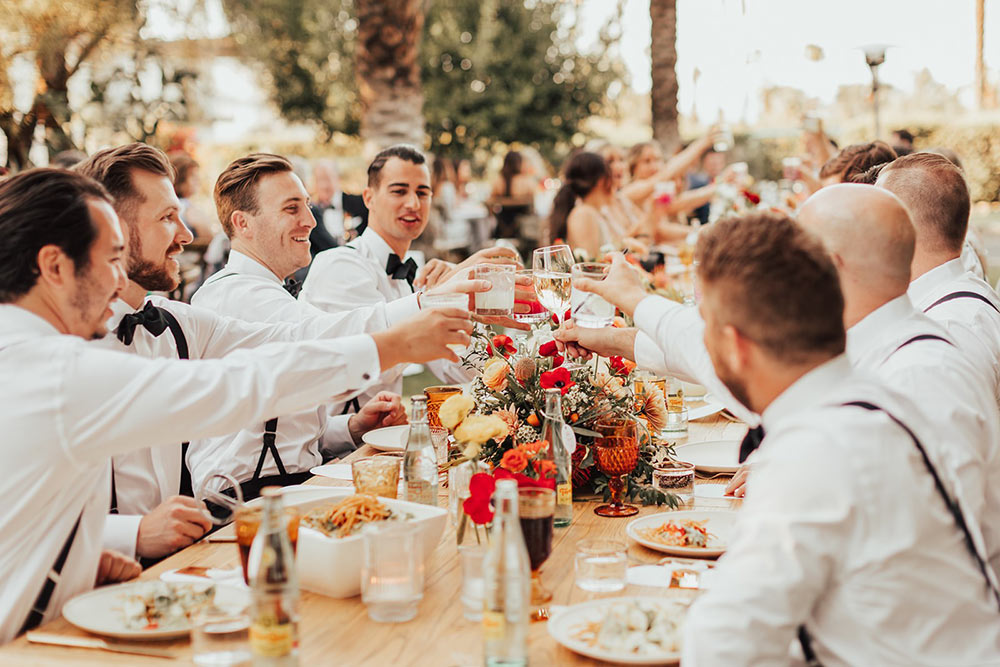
247 523
616 453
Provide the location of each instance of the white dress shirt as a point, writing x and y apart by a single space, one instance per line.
842 530
247 290
351 276
145 478
671 341
974 325
69 406
955 397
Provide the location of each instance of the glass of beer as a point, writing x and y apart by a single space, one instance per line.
536 508
247 523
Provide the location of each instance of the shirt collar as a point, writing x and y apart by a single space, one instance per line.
119 309
939 275
376 245
246 265
815 386
19 323
867 334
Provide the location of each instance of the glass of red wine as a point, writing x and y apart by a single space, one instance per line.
536 507
616 453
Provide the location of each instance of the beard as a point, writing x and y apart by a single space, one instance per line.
736 386
153 277
90 305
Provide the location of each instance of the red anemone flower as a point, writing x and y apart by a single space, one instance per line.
548 349
503 345
477 505
557 378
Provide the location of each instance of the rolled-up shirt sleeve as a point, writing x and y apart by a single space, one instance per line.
121 532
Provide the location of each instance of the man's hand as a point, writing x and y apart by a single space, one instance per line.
581 342
423 337
383 410
494 255
172 525
622 287
434 272
461 282
738 484
115 567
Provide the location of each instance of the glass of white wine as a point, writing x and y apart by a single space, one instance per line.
550 267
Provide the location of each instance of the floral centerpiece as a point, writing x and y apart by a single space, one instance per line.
511 386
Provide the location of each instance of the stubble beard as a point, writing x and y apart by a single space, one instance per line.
146 274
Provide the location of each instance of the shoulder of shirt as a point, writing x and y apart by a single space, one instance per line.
342 258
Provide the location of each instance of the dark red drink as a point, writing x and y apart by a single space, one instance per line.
538 538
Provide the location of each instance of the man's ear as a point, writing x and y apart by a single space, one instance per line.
241 224
367 195
737 348
54 267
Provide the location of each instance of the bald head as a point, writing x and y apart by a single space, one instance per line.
869 230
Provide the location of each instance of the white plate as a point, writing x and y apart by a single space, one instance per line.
341 471
720 524
100 611
565 625
388 439
694 392
707 407
713 456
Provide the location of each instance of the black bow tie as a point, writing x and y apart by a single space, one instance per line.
751 441
150 317
397 269
293 286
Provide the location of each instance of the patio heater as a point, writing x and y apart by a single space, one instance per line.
875 56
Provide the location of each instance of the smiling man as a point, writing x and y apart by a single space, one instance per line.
151 490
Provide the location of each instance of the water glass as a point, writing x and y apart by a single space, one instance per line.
473 584
499 300
588 309
677 422
220 635
376 475
601 565
676 477
538 312
392 572
459 301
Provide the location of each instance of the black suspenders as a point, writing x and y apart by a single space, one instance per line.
914 340
41 603
963 295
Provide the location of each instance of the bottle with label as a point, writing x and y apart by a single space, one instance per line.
420 468
557 433
274 588
507 584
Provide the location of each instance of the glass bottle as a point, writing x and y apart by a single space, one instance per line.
274 588
420 468
556 433
507 584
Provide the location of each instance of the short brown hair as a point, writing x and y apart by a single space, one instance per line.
402 151
778 286
236 187
112 168
935 192
856 159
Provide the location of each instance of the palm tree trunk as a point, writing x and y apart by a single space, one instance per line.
388 72
663 95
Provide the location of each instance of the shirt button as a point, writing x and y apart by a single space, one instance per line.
366 376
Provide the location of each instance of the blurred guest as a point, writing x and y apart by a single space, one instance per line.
902 142
512 195
853 161
937 197
186 186
331 207
67 159
713 162
463 177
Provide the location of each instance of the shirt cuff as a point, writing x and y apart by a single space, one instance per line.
337 440
362 365
121 532
401 309
648 355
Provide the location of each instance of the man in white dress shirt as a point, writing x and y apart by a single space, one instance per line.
68 407
155 513
937 197
836 534
371 269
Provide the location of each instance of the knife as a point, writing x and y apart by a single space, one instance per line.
95 642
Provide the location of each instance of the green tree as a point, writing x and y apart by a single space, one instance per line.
491 70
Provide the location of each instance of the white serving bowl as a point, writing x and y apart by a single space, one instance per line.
332 566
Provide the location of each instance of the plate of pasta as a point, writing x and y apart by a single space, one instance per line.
685 533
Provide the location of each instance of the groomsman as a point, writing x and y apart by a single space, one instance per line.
934 191
68 407
868 233
840 559
373 268
263 208
152 492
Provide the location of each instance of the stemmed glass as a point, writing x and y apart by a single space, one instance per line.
616 453
536 509
550 268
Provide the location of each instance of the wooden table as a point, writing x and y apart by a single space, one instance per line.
340 632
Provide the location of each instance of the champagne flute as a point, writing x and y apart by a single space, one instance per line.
550 268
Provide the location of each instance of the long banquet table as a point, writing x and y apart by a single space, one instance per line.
340 632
